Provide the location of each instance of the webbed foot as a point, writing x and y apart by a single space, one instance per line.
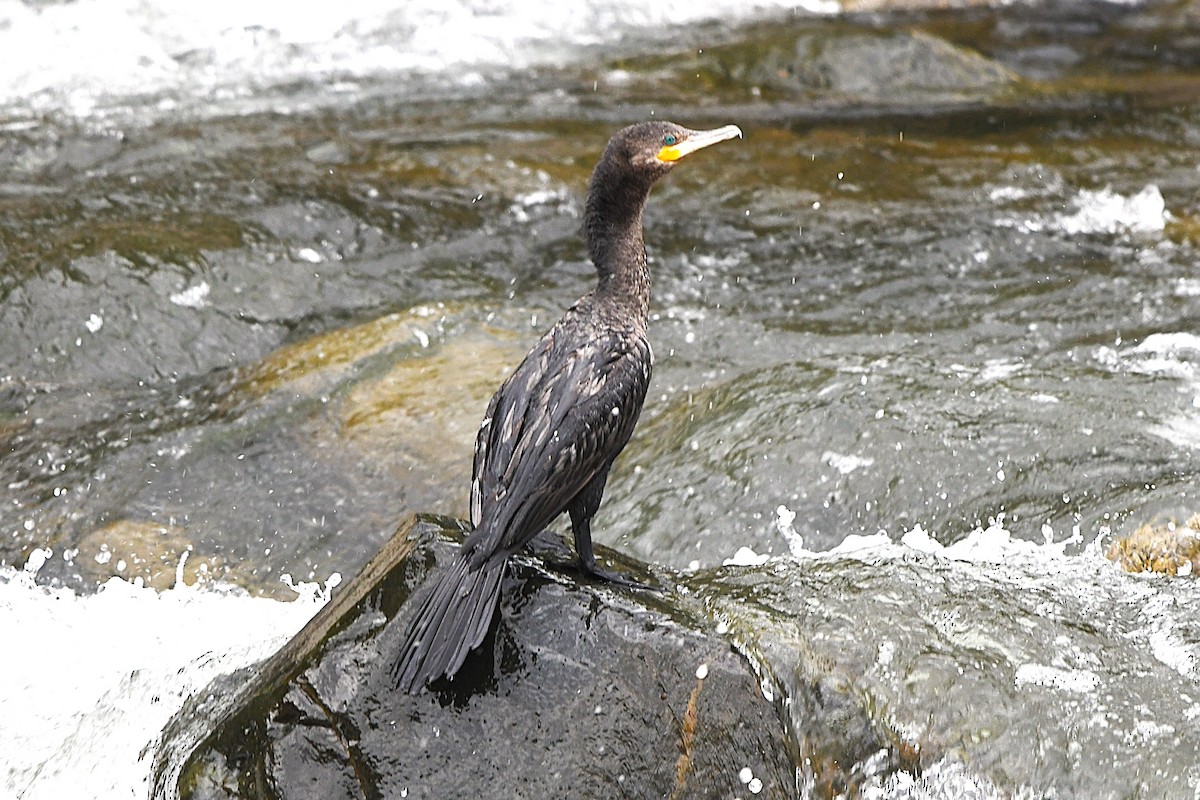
614 577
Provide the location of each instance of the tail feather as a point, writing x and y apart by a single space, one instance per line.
451 621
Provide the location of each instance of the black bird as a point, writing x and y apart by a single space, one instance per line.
552 430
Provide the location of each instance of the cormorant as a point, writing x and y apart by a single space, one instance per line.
552 430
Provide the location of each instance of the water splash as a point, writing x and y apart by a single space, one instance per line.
92 56
66 724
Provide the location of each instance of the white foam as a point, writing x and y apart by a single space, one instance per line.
997 369
1171 343
943 779
868 545
192 297
1174 354
845 464
310 256
559 198
1007 194
1187 287
746 557
784 517
89 681
1163 635
85 56
1106 211
1075 681
919 539
991 543
1101 211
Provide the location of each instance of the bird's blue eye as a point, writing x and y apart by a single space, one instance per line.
669 139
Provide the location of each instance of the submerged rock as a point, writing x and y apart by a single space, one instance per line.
974 660
159 555
858 63
581 690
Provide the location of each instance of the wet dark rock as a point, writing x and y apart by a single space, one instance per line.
580 691
898 675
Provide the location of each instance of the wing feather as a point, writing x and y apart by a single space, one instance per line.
560 418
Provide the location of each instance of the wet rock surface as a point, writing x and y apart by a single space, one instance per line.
581 691
888 672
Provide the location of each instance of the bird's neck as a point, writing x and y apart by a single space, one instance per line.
613 223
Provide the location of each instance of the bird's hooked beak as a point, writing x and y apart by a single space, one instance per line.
696 140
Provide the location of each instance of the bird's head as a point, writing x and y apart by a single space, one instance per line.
652 148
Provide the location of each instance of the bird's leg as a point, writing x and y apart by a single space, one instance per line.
582 528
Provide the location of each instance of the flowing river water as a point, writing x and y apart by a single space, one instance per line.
927 340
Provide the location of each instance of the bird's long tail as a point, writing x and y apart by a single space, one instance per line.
451 621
